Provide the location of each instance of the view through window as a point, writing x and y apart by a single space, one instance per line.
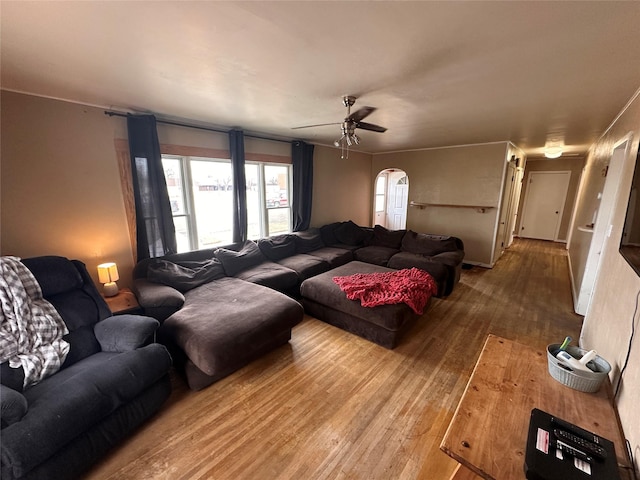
201 197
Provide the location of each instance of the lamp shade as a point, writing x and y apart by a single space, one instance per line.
108 272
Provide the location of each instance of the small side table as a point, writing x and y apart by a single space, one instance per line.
124 302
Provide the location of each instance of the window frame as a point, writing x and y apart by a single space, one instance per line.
187 186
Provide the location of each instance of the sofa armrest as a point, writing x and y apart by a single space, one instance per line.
13 406
123 333
452 259
157 300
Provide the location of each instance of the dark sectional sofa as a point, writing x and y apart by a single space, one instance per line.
221 308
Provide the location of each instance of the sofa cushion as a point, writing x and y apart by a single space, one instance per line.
350 234
328 233
374 255
387 238
235 262
185 276
305 265
428 245
271 275
277 247
308 240
333 256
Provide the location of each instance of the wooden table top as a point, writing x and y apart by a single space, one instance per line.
488 432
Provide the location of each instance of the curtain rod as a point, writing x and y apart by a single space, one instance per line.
210 129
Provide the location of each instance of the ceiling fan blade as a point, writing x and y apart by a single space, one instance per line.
370 126
360 114
317 125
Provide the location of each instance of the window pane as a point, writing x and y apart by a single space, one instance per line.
380 185
182 234
379 203
276 179
279 220
213 201
254 208
173 176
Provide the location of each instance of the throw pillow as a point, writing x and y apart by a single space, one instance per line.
278 247
387 238
186 275
350 234
235 262
427 245
308 241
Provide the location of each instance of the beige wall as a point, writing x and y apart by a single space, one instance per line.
569 164
465 175
607 325
61 191
341 187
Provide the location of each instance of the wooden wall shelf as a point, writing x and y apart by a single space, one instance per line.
478 208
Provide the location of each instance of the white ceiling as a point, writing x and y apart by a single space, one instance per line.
440 73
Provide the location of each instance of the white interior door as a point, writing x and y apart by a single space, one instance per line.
544 204
602 227
397 202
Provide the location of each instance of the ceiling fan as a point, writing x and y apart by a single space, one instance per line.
349 125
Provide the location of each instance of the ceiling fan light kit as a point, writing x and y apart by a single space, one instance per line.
349 125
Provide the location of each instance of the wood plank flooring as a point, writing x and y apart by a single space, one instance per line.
330 405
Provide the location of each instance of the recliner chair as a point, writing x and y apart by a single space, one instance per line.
113 378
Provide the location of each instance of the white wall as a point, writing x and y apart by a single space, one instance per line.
607 325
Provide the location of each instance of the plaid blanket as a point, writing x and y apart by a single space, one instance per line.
411 286
31 329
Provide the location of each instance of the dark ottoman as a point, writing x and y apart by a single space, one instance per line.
323 299
225 324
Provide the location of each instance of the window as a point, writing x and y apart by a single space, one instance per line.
381 186
268 199
201 196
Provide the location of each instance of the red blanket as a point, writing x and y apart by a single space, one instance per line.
411 286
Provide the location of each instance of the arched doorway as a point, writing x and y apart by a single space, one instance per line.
390 194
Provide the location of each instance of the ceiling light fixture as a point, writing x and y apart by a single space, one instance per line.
348 138
553 152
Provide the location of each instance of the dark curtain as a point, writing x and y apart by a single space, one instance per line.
302 159
236 147
156 235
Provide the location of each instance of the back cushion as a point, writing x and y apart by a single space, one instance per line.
427 245
184 276
327 232
54 274
235 262
350 234
387 238
308 240
277 247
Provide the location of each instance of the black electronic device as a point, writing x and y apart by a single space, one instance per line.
559 450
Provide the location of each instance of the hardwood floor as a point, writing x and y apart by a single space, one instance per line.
331 405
